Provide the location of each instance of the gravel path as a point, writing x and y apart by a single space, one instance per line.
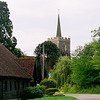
85 96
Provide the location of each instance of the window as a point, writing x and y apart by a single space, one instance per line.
63 47
15 85
22 84
18 85
27 84
10 85
6 85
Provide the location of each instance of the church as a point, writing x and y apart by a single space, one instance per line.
62 43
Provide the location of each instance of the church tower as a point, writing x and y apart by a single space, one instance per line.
62 43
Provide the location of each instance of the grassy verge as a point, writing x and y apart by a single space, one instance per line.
75 89
55 98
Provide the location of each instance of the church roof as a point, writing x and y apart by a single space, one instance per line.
9 66
58 28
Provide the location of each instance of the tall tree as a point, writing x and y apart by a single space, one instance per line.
6 27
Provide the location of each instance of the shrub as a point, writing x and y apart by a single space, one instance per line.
31 92
51 91
48 83
42 88
58 94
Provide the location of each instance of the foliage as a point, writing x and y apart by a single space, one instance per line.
18 53
51 91
48 83
77 52
37 70
51 51
96 57
67 88
96 32
61 72
42 88
6 29
31 92
83 72
58 94
56 98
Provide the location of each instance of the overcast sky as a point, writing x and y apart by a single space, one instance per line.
35 21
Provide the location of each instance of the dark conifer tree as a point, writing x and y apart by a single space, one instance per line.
6 27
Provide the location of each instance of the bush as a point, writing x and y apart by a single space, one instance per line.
58 94
48 83
31 92
51 91
42 88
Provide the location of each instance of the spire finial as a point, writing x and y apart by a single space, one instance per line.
58 26
58 11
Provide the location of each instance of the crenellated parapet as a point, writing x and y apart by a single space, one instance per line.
59 38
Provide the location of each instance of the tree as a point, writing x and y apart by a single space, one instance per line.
77 52
96 57
61 72
6 29
51 51
96 32
84 73
18 53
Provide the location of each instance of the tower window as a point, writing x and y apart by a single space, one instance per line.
63 47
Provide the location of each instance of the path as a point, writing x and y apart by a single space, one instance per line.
85 96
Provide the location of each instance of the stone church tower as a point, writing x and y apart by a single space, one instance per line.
62 43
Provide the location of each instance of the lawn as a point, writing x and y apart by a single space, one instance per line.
55 98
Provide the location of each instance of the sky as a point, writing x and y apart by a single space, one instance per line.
34 21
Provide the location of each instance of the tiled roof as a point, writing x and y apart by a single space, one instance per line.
28 64
9 65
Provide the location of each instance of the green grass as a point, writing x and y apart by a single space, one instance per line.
55 98
75 89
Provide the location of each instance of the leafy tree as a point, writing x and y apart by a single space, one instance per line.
96 57
6 29
77 52
61 72
84 73
51 51
18 53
